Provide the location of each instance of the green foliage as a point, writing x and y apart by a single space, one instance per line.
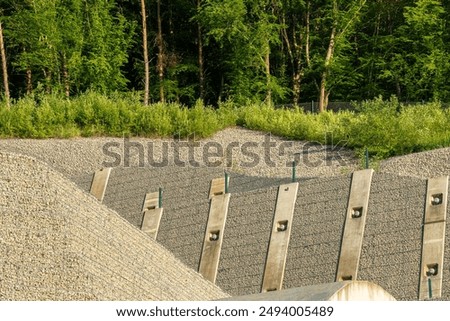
386 127
389 128
245 32
93 114
74 43
252 50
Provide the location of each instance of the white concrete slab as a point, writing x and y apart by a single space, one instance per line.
279 240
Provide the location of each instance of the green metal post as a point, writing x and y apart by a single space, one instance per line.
367 158
160 197
294 178
226 183
430 290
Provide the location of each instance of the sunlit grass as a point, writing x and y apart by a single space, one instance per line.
385 127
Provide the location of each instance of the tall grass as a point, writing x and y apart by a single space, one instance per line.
385 127
93 114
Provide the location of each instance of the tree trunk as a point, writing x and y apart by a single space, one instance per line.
323 98
4 67
296 80
29 81
398 89
297 71
308 41
65 74
201 72
48 80
308 9
145 49
295 64
159 40
267 65
222 84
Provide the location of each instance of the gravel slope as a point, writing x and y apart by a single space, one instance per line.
401 198
235 149
62 244
428 164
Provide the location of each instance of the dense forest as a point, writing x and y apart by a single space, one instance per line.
280 51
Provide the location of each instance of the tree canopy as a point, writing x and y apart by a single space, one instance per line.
281 51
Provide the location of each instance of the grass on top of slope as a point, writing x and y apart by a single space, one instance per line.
385 127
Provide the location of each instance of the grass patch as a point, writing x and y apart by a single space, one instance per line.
385 127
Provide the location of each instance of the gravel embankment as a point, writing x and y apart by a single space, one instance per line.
393 231
62 244
428 164
234 149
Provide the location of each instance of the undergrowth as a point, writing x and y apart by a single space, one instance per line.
385 127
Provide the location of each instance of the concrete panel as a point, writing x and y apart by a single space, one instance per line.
212 244
433 239
150 222
217 186
151 201
337 291
99 183
354 225
436 206
151 214
279 241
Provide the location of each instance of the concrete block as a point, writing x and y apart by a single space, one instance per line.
99 183
212 243
433 239
279 241
217 186
151 214
354 225
150 222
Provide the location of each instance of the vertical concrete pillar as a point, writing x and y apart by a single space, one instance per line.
99 183
355 222
433 239
279 240
151 214
212 242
